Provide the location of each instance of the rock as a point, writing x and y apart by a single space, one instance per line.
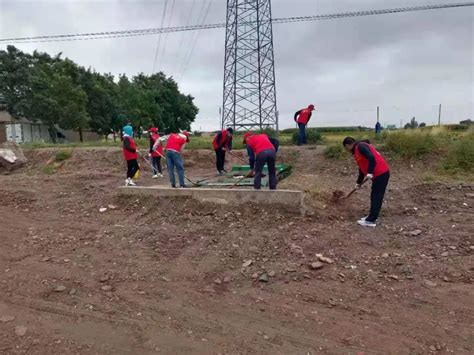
106 288
385 255
104 278
102 209
317 265
247 263
393 277
6 319
272 273
218 281
445 254
266 337
324 259
227 279
471 247
112 207
429 283
45 259
60 288
415 232
432 348
73 292
470 195
254 276
263 277
446 279
297 249
452 247
20 330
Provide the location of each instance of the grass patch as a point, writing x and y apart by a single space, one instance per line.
63 155
334 151
411 144
460 157
313 136
48 169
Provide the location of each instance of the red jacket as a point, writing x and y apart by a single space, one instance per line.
304 116
259 142
129 148
224 140
175 142
381 166
159 151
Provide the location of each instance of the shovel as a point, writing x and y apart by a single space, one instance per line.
338 195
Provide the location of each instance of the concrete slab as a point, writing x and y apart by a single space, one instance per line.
291 199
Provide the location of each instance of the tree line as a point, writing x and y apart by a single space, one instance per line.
59 92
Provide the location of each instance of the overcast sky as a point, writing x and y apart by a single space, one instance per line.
405 63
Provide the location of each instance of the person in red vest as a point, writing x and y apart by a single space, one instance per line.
156 152
221 142
130 154
371 166
174 148
302 117
261 148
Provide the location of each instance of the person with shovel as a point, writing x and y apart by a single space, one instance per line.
222 141
262 150
372 166
174 148
156 152
130 154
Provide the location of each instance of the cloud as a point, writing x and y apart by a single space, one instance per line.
405 63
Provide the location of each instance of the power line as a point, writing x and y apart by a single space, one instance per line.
188 20
151 31
166 35
159 37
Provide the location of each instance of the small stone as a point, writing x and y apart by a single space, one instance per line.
317 265
104 278
102 209
470 195
432 348
218 281
385 255
415 232
247 263
429 283
393 277
106 288
46 258
446 279
263 277
254 276
73 292
20 330
60 288
6 319
445 254
112 207
266 337
471 247
272 273
452 247
227 279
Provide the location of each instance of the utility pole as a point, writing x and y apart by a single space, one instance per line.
439 115
378 113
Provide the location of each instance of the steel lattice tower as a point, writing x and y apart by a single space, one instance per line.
249 72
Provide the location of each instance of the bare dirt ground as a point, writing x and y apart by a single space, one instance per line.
173 276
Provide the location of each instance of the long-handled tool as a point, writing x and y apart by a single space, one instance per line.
240 180
339 195
236 156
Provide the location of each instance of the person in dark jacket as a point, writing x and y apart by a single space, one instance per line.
222 141
302 118
372 166
262 150
130 154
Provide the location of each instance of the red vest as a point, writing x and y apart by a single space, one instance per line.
159 151
127 154
224 140
175 142
259 143
381 166
304 116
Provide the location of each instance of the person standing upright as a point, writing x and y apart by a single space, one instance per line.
302 118
222 141
130 154
156 152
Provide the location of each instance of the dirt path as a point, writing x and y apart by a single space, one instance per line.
168 276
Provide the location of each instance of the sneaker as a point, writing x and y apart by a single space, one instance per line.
154 176
160 175
365 223
129 182
220 173
224 171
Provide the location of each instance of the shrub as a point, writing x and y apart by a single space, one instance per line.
313 136
48 169
460 157
62 155
334 151
411 144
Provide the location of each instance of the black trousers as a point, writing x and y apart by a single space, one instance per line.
156 165
132 167
266 157
220 159
379 185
